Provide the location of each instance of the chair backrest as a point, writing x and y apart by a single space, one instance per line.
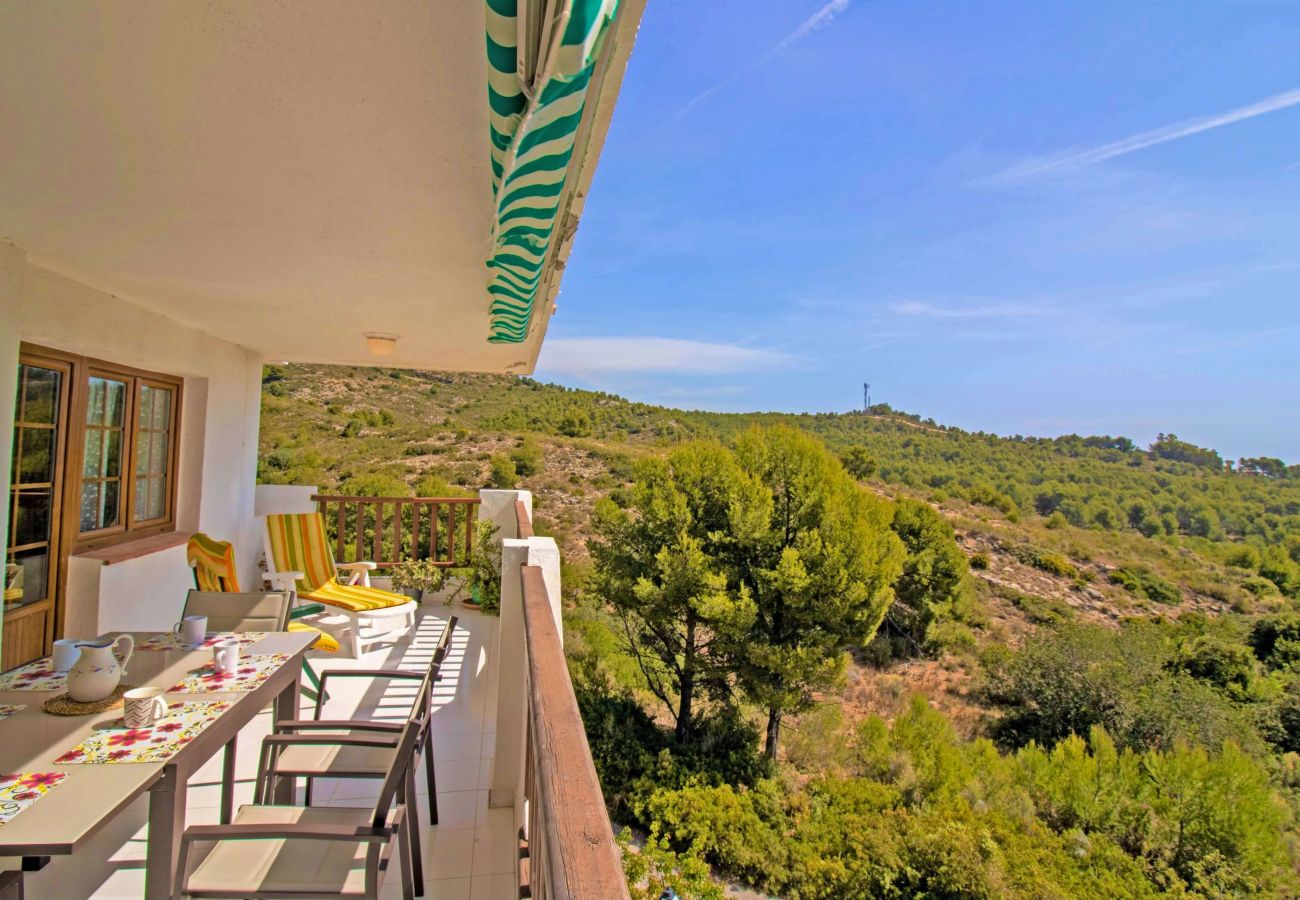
213 563
268 611
424 700
402 760
297 542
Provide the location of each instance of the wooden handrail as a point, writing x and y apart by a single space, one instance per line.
524 522
390 531
572 854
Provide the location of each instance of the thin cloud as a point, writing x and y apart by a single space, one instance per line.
1082 158
986 311
822 18
604 355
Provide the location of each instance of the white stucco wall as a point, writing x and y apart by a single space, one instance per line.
218 441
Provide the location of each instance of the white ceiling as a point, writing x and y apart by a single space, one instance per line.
283 175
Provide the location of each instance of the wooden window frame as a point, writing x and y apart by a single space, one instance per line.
127 528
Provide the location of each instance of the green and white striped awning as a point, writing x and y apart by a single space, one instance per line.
535 118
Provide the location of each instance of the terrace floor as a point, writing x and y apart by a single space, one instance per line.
467 856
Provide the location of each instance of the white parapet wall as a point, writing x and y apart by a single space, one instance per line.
507 789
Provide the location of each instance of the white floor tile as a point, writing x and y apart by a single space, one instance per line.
493 887
448 889
449 853
494 852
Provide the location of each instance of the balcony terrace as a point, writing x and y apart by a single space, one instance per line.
512 822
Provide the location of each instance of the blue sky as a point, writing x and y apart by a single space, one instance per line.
1029 218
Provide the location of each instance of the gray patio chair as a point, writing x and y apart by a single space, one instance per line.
309 749
11 885
254 611
302 851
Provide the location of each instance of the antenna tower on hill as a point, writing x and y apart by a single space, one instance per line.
866 397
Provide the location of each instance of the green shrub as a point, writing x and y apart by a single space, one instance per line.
503 474
1260 586
1147 584
652 871
979 560
1046 560
1083 676
575 422
1276 641
376 484
1227 666
527 456
1242 556
859 463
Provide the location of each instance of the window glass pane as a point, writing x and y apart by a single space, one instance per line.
112 453
162 407
144 414
90 506
115 403
157 498
108 515
33 520
95 402
41 391
37 455
141 511
94 453
158 453
32 576
149 499
143 453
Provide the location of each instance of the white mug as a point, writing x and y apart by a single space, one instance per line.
192 629
66 651
225 656
143 706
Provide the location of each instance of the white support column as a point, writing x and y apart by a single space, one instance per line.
512 682
498 507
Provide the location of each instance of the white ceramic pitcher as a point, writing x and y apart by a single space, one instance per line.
97 671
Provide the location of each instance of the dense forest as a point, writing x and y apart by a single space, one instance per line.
866 655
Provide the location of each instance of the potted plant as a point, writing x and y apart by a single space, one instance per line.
483 574
419 577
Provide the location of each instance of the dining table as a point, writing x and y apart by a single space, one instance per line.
90 795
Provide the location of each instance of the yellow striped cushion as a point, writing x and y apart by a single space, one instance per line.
354 597
214 564
298 543
326 642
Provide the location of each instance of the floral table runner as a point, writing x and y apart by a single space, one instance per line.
17 792
253 669
8 709
174 642
35 676
156 743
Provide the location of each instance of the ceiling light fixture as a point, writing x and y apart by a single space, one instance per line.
380 344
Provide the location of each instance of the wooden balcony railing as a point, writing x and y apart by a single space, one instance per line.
392 530
523 521
571 853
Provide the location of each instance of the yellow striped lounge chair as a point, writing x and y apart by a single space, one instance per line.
299 558
214 568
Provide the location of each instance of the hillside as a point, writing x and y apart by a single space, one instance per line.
1048 522
1221 537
